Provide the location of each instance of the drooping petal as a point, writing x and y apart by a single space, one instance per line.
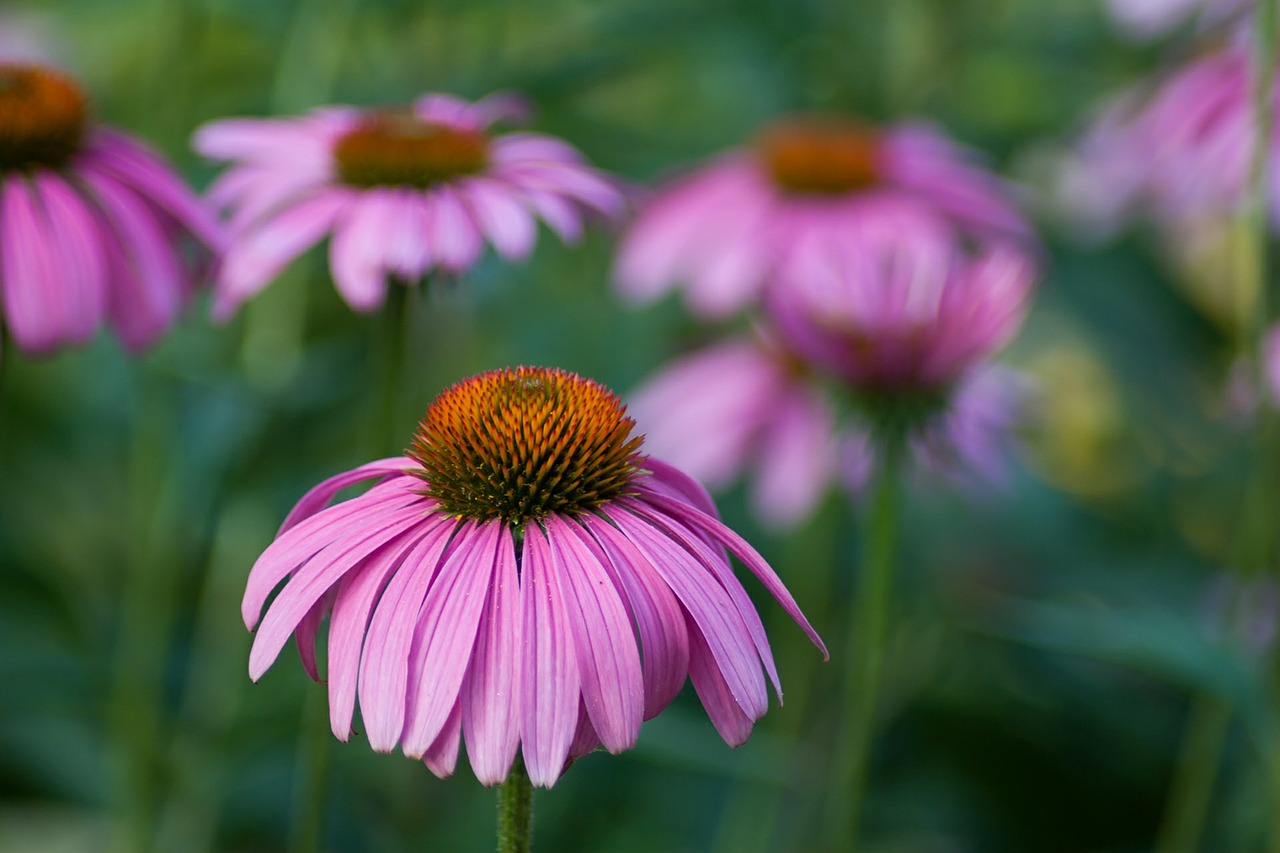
357 593
744 552
314 578
607 656
549 674
442 756
79 264
502 218
455 237
664 642
446 633
36 308
726 713
318 498
357 253
712 609
384 664
490 699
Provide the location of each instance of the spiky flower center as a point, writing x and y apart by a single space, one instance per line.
400 149
42 118
521 443
815 157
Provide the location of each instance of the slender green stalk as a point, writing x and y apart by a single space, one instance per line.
312 793
391 344
1195 777
868 634
515 811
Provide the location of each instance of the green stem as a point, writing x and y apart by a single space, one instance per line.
311 794
389 367
868 634
1196 774
515 811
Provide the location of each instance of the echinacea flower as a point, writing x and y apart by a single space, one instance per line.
94 226
1178 151
524 578
731 229
401 193
745 403
898 313
749 405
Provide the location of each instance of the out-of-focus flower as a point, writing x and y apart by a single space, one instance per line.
402 192
1145 19
749 404
742 222
898 311
94 226
501 581
1179 151
740 404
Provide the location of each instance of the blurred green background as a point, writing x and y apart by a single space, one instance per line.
1047 640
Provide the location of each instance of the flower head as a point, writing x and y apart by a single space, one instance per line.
401 192
501 583
92 223
1178 151
735 227
896 312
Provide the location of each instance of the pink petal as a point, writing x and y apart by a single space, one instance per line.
36 308
80 262
659 619
318 498
357 254
733 724
384 665
549 676
454 237
706 601
797 458
442 756
503 219
259 256
490 710
446 632
744 552
608 659
356 595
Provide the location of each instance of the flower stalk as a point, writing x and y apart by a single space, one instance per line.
515 811
867 639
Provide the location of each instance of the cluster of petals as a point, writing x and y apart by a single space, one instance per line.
728 232
746 405
284 195
450 629
899 307
1179 151
113 237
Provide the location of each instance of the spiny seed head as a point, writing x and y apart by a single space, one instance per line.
520 443
400 149
42 118
821 157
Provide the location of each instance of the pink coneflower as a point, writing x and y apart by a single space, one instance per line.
94 226
402 192
748 405
500 583
738 405
898 311
738 224
1179 152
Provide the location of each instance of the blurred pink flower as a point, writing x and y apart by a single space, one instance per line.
1145 19
93 224
748 404
501 581
726 232
401 192
1178 151
897 309
743 404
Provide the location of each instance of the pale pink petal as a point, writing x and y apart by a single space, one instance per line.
446 633
384 664
509 227
549 682
797 459
608 658
724 709
79 261
37 309
357 253
490 705
442 756
454 236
